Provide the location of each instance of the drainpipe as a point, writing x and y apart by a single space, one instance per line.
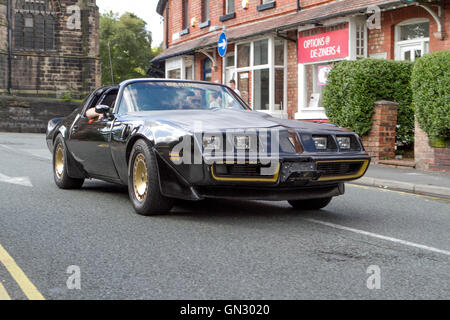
9 20
298 5
167 26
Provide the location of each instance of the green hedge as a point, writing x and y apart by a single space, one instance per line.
354 86
430 82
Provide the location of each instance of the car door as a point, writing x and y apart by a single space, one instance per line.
89 142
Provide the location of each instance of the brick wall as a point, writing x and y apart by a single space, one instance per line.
383 40
31 114
217 10
380 141
427 157
292 75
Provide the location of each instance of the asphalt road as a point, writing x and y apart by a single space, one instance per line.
213 249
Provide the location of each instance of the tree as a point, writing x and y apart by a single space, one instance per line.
130 45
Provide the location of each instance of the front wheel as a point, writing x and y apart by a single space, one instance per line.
143 182
311 204
60 166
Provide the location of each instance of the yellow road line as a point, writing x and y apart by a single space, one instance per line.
3 294
22 280
401 192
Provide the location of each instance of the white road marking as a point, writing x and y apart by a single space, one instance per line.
39 153
22 181
378 236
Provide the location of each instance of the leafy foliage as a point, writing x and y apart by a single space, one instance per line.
431 94
354 86
130 45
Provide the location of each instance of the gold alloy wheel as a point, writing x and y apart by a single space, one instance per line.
140 178
59 161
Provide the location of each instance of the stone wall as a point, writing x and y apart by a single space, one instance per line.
31 115
73 65
380 141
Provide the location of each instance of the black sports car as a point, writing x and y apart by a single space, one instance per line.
173 139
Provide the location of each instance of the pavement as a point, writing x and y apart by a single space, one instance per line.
214 249
408 180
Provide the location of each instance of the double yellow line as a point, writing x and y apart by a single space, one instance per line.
28 288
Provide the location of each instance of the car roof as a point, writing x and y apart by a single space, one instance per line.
126 82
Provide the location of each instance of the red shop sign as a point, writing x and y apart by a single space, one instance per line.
323 46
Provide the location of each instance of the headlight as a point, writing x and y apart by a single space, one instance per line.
344 143
211 142
320 142
242 142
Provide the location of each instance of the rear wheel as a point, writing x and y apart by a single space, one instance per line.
311 204
143 182
60 166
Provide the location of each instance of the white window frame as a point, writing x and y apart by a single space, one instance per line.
271 66
406 43
179 63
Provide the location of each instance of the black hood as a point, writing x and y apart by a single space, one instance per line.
222 119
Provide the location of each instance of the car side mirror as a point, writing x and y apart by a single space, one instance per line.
102 108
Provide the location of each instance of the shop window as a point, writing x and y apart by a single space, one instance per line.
261 52
174 74
318 73
243 52
261 76
262 89
33 27
229 68
279 52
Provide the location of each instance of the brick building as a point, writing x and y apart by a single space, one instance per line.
280 51
49 48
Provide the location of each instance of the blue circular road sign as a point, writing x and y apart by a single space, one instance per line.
222 44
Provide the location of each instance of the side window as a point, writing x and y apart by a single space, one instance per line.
128 101
109 99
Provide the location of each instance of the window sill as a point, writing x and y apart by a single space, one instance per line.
204 24
266 6
183 32
227 17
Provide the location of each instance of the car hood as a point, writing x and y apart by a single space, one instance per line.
222 119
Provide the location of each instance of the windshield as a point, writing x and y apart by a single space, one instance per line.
155 96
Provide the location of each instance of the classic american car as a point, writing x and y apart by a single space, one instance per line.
191 140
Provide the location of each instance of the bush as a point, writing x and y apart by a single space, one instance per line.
430 82
354 86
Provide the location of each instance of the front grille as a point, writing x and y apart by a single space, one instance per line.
245 172
328 169
238 170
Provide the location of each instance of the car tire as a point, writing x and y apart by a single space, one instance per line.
311 204
60 166
143 182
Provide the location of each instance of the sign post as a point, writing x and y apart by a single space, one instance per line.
222 44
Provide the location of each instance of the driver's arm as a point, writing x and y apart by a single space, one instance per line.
91 114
